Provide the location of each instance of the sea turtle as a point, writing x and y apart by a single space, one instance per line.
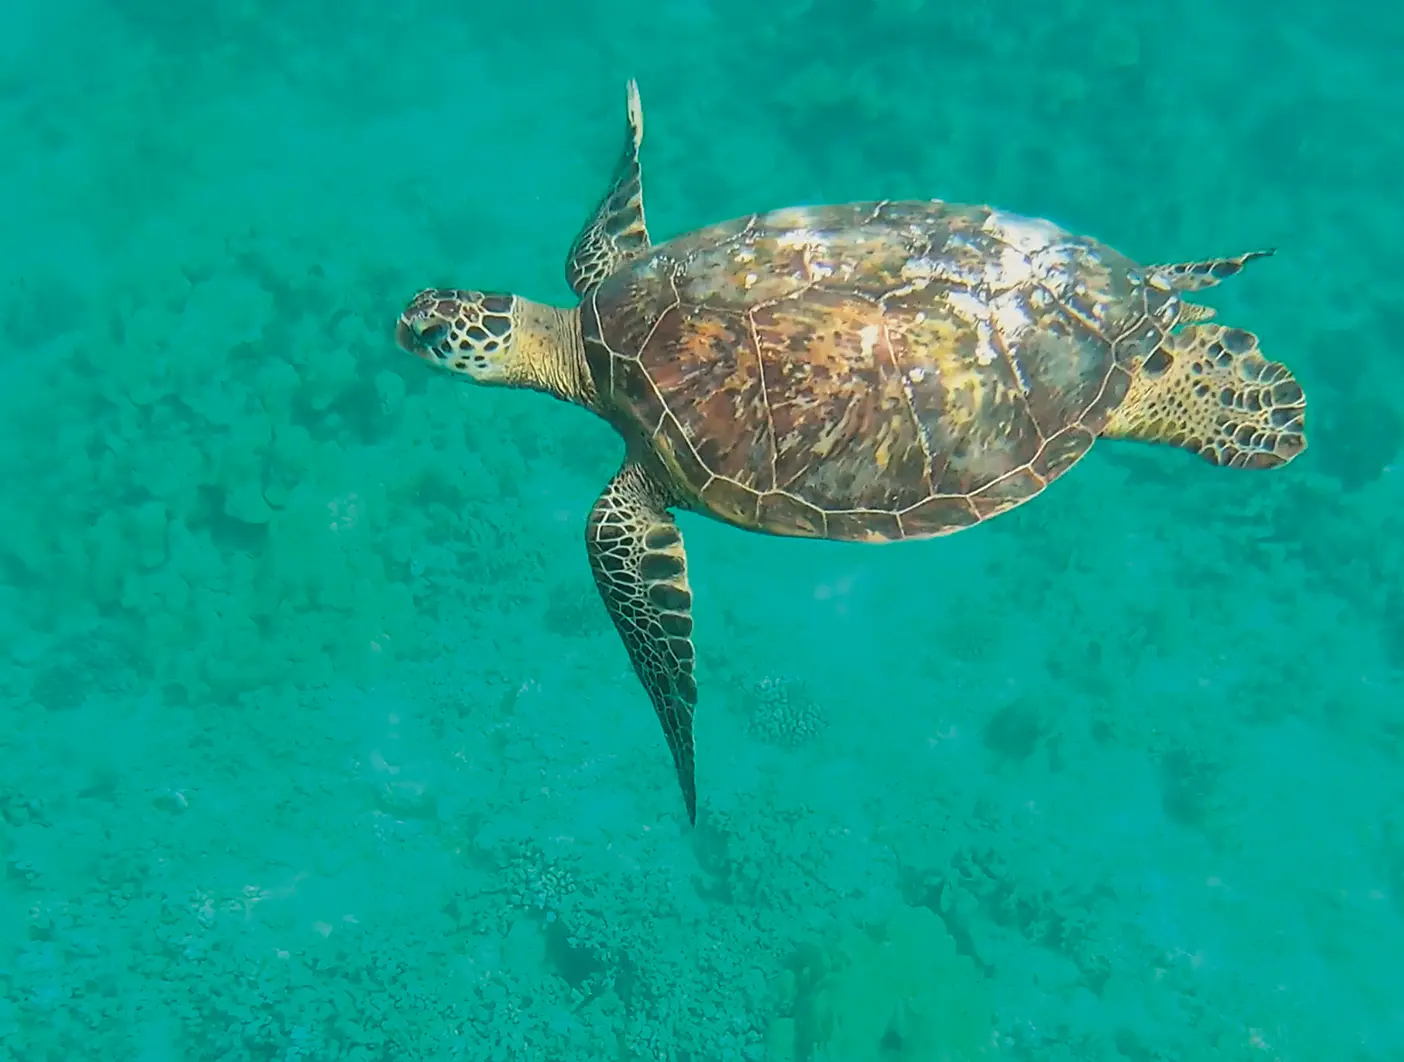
868 371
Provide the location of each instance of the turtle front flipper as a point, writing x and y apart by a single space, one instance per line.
617 231
1208 389
636 552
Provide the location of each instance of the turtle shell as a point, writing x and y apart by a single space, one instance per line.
869 371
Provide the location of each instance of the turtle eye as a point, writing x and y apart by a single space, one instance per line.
430 333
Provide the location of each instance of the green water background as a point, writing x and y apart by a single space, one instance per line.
316 742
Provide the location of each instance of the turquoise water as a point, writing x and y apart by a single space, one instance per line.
317 742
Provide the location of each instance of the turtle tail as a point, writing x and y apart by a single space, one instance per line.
1209 390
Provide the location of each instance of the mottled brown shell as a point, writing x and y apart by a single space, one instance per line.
870 371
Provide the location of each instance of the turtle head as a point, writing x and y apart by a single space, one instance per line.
467 332
499 339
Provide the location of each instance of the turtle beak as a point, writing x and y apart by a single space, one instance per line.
404 337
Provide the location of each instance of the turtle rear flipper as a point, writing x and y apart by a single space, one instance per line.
1208 389
617 231
1196 276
